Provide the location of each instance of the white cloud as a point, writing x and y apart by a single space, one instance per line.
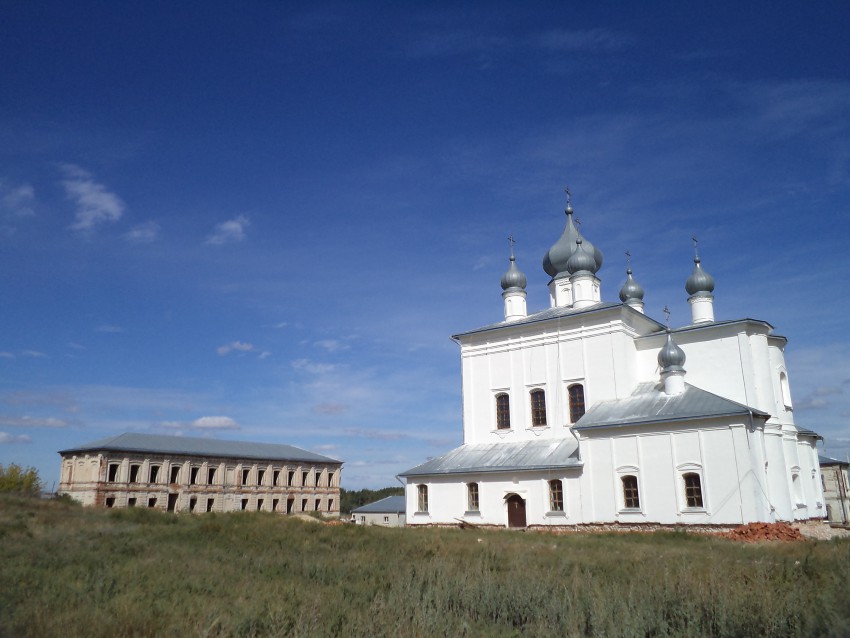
5 437
332 345
6 355
313 368
203 423
95 204
586 40
265 354
76 346
108 328
229 232
143 233
238 346
30 422
35 354
17 200
330 408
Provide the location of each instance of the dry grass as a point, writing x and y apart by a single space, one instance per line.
71 571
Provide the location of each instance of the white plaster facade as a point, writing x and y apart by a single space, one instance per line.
740 461
387 512
119 472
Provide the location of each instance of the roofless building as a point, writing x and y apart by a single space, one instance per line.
176 473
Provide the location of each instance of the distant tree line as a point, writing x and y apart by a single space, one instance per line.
351 499
19 480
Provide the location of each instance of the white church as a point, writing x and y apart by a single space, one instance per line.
591 413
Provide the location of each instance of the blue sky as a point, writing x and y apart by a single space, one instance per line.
262 221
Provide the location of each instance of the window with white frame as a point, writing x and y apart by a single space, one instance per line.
538 407
575 397
693 490
503 411
631 496
785 388
422 493
556 495
472 497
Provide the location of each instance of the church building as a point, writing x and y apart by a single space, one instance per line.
591 413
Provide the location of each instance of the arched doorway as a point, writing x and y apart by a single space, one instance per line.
516 510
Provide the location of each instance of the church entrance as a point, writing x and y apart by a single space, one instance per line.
516 510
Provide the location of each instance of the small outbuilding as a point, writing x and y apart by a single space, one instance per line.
388 512
835 483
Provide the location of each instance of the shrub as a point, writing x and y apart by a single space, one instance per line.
15 479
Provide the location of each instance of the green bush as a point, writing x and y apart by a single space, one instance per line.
15 479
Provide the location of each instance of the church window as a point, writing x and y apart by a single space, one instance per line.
503 411
556 496
472 497
245 475
422 492
576 399
693 489
631 499
538 407
275 477
786 390
193 476
305 477
330 479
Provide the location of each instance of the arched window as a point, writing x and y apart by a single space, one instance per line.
576 398
631 498
693 489
423 498
556 496
538 407
786 389
503 411
472 497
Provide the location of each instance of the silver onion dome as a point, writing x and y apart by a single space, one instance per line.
556 258
581 260
631 289
700 282
513 278
672 357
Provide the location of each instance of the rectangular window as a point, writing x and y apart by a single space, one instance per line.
330 479
259 504
503 411
261 476
305 477
290 505
244 504
211 472
210 504
556 496
303 504
330 505
472 497
290 478
112 476
386 519
423 498
193 503
576 400
318 507
693 490
175 473
134 473
538 408
110 502
151 502
276 477
154 473
245 475
631 499
275 504
131 502
193 475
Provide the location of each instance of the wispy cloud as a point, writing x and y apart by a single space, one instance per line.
234 346
332 345
6 355
330 408
313 367
95 204
229 232
5 437
109 328
203 423
17 200
31 422
144 233
33 354
592 40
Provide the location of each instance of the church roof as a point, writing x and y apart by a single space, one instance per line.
190 446
539 454
388 505
554 313
649 404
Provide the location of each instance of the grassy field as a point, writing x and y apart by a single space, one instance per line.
69 571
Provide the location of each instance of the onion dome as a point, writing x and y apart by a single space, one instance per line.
513 279
631 289
581 260
672 357
700 282
555 260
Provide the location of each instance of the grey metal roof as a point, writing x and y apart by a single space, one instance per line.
189 446
388 505
539 454
807 432
825 460
648 404
554 313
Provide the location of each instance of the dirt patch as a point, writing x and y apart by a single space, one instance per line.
754 532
